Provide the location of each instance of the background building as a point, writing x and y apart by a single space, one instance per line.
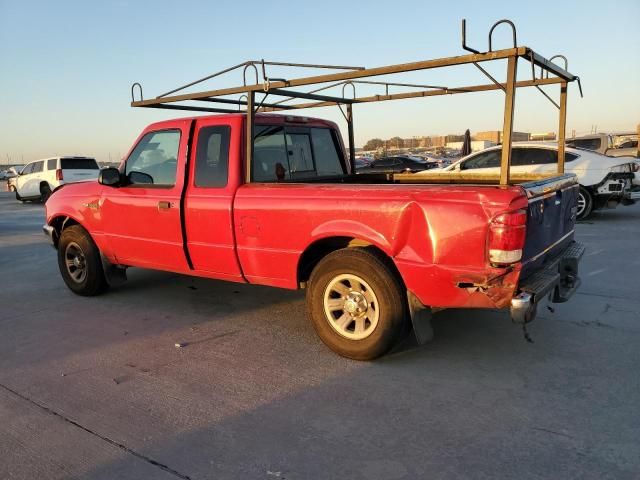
495 136
476 145
549 136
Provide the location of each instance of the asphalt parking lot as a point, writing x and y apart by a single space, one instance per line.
96 388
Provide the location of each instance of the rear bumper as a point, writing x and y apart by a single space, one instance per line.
632 194
558 278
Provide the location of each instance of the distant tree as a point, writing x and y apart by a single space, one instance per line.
373 144
396 142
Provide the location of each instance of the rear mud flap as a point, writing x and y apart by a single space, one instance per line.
420 319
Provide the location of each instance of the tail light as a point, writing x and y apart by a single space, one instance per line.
59 175
507 232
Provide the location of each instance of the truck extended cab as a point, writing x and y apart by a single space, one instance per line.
371 252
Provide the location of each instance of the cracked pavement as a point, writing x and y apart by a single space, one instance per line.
95 388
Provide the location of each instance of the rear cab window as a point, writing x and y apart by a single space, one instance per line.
283 153
78 164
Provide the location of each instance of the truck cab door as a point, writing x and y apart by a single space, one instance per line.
142 216
215 174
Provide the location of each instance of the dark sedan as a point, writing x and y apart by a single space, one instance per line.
398 164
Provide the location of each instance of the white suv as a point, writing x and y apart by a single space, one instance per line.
38 179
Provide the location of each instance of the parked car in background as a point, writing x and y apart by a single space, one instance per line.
604 182
398 163
609 144
12 177
38 179
10 172
440 162
363 162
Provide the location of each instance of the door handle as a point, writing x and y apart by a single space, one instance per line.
164 205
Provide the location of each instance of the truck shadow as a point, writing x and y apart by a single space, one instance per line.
476 386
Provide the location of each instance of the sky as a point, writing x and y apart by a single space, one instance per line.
66 67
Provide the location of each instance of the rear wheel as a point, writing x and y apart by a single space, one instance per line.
356 303
585 204
79 262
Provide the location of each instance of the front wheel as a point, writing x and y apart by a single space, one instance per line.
356 303
585 204
79 262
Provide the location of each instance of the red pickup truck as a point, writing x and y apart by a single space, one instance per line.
274 200
367 251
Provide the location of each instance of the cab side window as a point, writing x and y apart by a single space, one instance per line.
212 157
154 160
270 159
326 152
293 153
51 163
37 167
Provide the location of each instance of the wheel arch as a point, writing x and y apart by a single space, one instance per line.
59 223
322 247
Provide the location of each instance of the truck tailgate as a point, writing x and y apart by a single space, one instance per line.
551 219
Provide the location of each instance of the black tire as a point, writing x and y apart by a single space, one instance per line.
77 246
45 192
585 204
380 281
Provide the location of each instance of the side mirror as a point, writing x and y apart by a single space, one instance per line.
136 177
109 176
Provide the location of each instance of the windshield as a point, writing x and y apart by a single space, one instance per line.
585 143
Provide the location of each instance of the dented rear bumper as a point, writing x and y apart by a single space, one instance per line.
558 278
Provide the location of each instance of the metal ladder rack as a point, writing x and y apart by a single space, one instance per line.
285 90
